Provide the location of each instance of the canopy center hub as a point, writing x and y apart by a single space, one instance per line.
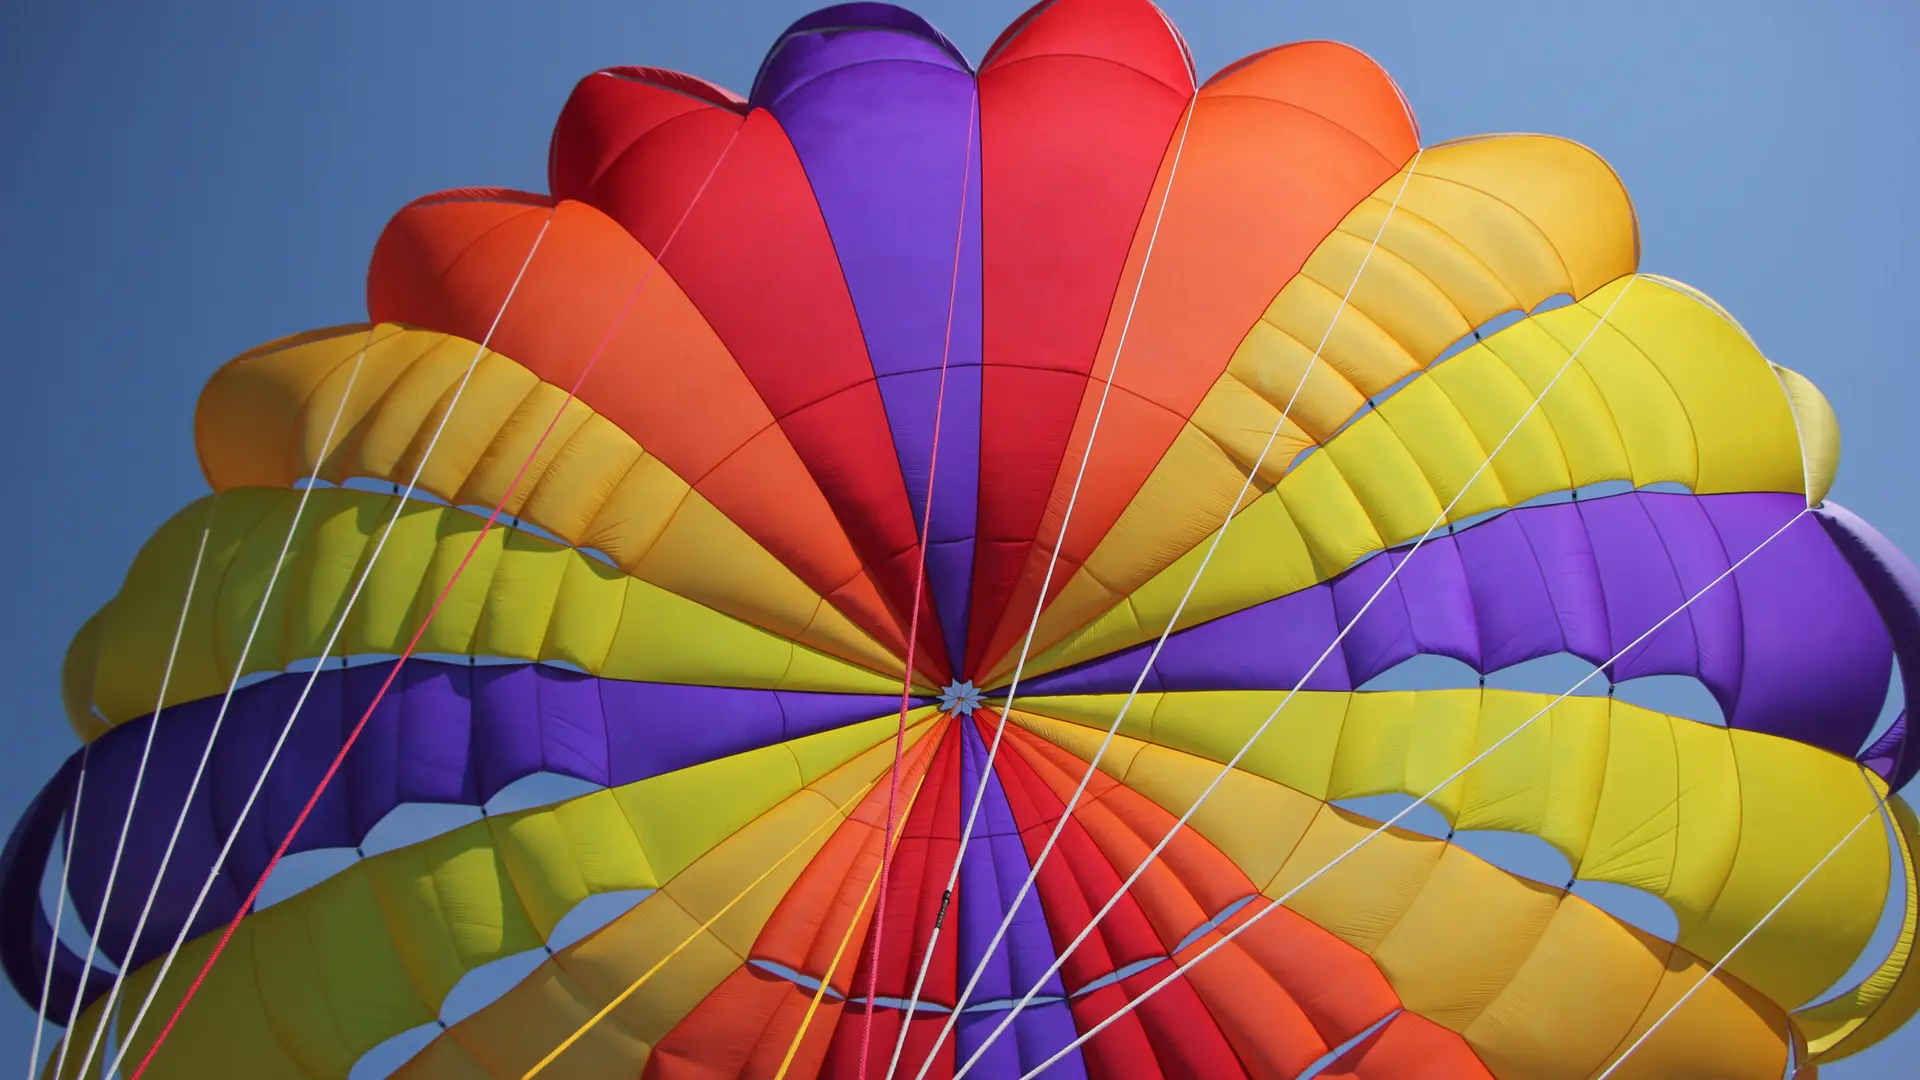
960 698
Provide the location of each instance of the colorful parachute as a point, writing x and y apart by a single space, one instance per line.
1096 288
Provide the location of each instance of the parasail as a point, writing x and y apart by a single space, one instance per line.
942 528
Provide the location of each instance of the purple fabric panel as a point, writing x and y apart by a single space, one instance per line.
910 399
991 873
883 121
1038 1033
1427 608
1270 644
1818 657
1564 552
445 733
1886 754
1698 556
1383 636
1792 645
845 34
1507 588
1639 587
25 932
1893 584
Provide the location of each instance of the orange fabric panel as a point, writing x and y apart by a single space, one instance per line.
928 842
832 893
1335 985
1279 150
755 256
744 1029
1410 1047
447 265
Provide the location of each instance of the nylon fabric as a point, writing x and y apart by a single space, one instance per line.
699 610
1617 789
419 918
1666 392
1482 227
591 485
527 598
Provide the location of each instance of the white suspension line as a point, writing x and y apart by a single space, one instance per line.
1879 806
59 912
1282 899
399 507
1039 605
1233 762
219 718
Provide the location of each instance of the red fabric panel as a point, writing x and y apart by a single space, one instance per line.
1170 1035
1280 149
744 1029
1076 878
1077 107
664 376
755 257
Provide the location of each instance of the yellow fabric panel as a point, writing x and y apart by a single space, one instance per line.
115 666
1542 449
1890 996
691 810
263 417
1717 823
1548 1025
1482 227
1365 897
1666 390
506 1038
1724 1032
1386 485
1241 574
1569 745
1589 979
1405 742
558 856
76 680
1084 741
1297 749
1812 941
1451 459
228 1031
1237 417
1671 788
1465 937
521 597
1819 431
1512 964
446 906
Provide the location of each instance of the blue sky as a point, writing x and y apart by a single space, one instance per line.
184 182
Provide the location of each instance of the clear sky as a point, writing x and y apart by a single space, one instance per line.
182 182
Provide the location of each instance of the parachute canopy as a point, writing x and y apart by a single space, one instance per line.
762 379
